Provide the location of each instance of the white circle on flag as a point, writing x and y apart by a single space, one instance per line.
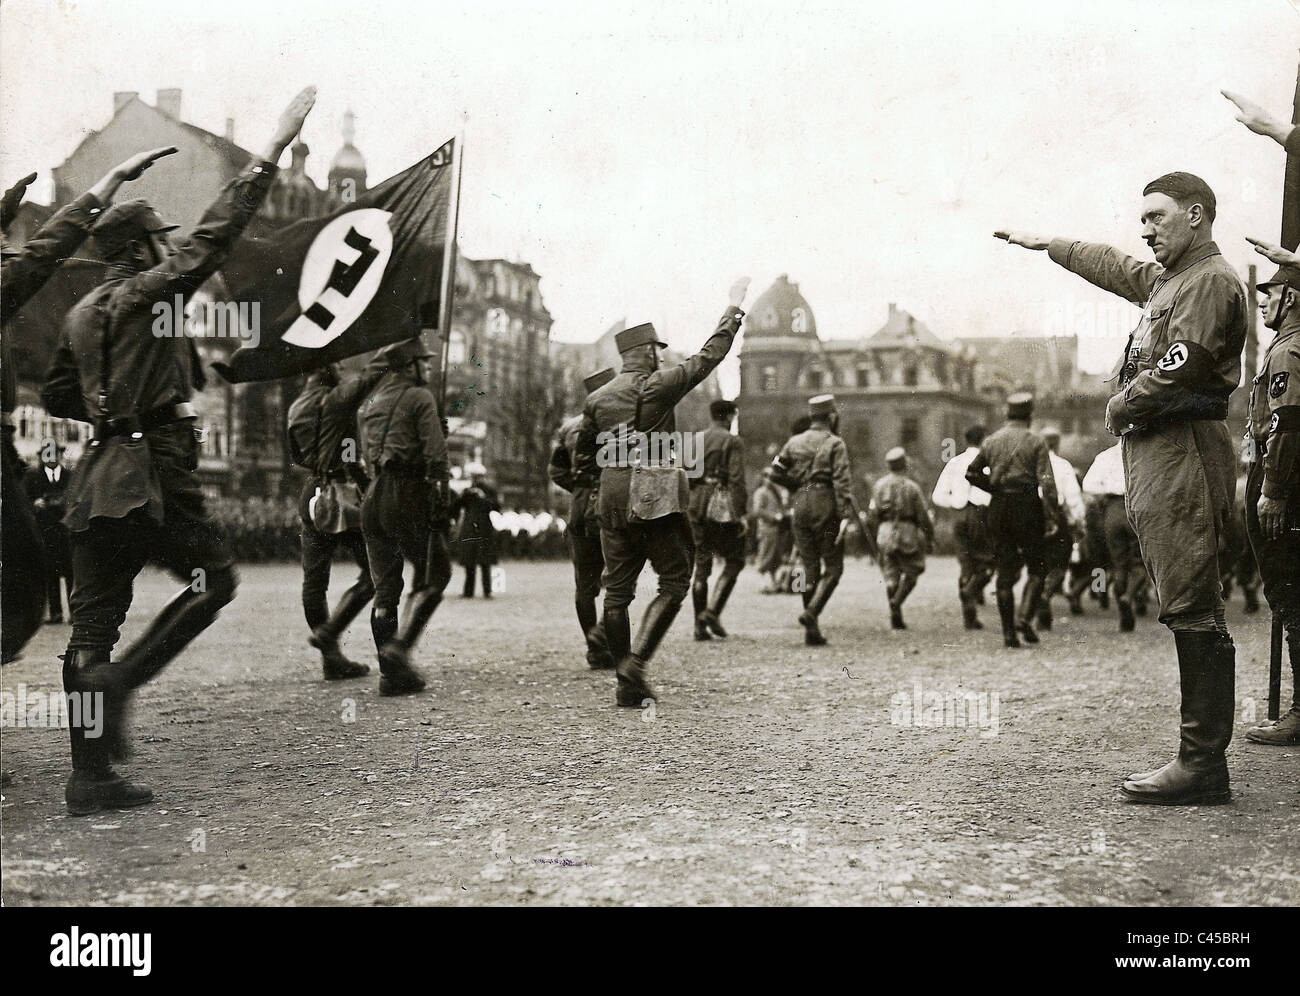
328 250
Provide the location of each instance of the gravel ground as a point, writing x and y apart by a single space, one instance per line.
769 773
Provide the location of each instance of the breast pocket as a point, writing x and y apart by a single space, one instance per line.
1151 344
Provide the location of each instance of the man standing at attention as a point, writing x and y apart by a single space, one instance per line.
1170 408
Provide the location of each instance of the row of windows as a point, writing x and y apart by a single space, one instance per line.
863 376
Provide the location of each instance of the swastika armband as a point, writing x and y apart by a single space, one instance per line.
1186 362
1284 419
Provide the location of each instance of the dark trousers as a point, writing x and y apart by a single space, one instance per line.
588 563
22 558
1016 529
1126 573
975 558
107 558
816 526
665 542
717 539
318 550
395 523
1279 559
486 571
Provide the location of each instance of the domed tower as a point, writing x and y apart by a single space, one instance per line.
781 365
347 176
780 339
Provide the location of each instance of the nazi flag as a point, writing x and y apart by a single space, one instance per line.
364 276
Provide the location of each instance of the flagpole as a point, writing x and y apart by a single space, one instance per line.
449 269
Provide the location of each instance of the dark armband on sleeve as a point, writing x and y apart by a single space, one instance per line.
1285 419
1186 363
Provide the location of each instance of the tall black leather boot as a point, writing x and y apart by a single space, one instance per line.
633 683
618 632
397 677
1029 598
187 615
94 785
969 618
1199 774
1007 613
721 592
1286 731
1127 623
700 603
593 632
812 635
334 663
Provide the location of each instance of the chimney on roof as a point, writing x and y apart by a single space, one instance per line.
169 102
123 97
893 309
230 130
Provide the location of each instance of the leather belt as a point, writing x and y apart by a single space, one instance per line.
136 425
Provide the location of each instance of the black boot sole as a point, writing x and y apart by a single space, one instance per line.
1216 798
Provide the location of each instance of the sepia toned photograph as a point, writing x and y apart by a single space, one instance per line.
695 454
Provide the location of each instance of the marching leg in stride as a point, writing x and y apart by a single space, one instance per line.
583 533
814 465
717 517
1013 466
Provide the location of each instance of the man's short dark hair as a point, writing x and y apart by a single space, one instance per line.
975 435
1186 189
800 424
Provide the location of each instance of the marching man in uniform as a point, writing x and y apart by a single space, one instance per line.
643 495
717 517
904 531
1273 485
405 513
814 465
136 495
583 530
1013 466
1181 364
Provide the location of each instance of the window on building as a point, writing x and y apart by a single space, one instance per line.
767 380
863 376
909 376
911 431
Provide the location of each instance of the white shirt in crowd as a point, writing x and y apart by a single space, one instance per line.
1106 475
1067 489
952 490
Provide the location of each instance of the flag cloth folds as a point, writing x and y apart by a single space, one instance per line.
367 275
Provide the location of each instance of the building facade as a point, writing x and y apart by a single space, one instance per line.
897 385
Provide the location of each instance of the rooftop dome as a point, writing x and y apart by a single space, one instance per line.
781 311
348 159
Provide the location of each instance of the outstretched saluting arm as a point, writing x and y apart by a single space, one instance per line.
26 272
1102 265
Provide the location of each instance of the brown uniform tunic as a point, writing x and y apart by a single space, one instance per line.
1182 362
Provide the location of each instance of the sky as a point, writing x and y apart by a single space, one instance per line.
641 156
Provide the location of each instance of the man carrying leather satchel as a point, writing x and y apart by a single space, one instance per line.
642 498
717 518
323 439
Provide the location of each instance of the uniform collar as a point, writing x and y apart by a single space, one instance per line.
1193 256
1282 337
